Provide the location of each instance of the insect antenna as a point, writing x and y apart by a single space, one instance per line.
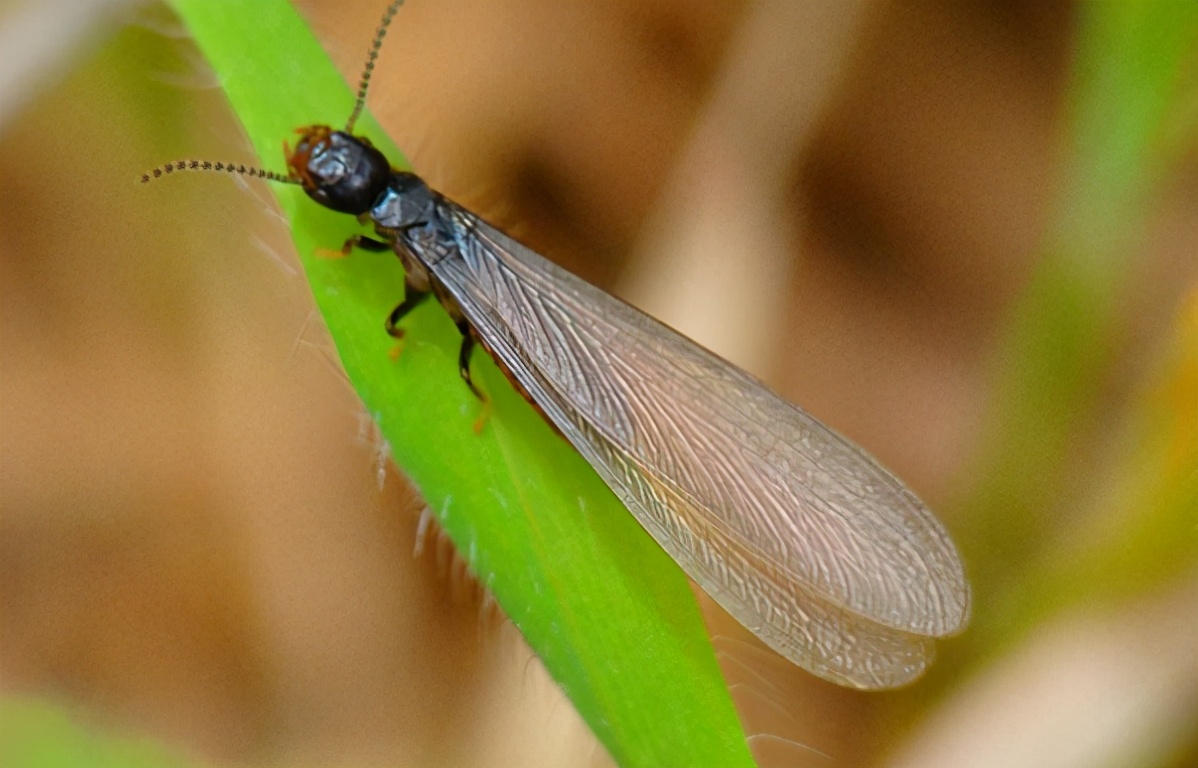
368 70
206 165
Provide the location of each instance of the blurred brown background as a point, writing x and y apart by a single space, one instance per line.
844 197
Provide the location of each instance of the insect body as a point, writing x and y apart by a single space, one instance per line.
799 534
796 532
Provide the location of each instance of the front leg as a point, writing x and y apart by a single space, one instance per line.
357 241
365 243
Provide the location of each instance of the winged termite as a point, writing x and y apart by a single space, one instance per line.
799 534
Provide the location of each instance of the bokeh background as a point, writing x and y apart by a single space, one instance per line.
867 204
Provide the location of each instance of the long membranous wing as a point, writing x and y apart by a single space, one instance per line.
795 531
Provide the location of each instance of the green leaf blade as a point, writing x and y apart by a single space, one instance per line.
606 610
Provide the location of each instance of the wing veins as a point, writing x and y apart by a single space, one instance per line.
567 322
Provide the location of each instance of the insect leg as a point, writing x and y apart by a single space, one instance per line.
464 358
357 241
411 300
366 244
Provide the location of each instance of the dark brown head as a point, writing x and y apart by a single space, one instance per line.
339 171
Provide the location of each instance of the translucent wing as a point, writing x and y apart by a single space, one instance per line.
796 532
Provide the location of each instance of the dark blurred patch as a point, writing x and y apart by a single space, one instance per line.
929 179
675 44
1041 28
846 210
550 216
